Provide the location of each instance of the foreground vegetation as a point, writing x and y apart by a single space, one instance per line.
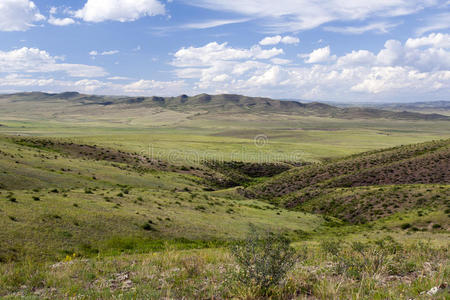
104 223
177 202
383 269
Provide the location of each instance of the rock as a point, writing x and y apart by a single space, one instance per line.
433 291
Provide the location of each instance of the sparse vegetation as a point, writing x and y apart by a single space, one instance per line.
87 213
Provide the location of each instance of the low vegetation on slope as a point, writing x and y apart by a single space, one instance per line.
95 222
90 200
419 163
370 203
365 187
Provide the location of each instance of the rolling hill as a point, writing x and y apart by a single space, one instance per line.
66 103
344 182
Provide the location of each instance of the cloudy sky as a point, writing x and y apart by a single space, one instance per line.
336 50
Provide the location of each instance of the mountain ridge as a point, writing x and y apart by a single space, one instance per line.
224 103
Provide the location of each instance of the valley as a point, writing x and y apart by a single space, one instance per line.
145 197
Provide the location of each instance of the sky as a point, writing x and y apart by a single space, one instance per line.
336 50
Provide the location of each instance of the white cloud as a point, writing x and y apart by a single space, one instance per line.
154 87
381 27
280 61
413 70
213 53
18 15
60 21
270 40
437 40
110 52
391 54
119 10
118 78
293 15
274 40
397 71
33 60
15 82
319 56
357 58
213 23
434 23
290 40
382 79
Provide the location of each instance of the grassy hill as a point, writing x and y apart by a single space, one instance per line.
80 201
204 104
138 198
109 219
367 186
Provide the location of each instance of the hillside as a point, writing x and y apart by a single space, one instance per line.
90 200
334 183
71 102
114 223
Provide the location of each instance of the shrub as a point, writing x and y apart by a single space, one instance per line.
147 226
264 259
406 226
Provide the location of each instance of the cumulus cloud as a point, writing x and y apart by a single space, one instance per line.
119 10
60 21
33 60
291 15
15 82
319 56
274 40
18 15
437 40
154 87
357 58
213 53
418 68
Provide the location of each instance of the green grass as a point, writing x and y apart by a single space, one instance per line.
59 208
74 226
408 272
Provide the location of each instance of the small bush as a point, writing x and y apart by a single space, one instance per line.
405 226
264 259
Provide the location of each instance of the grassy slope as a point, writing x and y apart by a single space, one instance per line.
418 163
106 220
85 212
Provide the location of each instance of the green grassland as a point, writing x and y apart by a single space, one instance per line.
137 200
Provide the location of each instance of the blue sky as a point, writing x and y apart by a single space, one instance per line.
338 50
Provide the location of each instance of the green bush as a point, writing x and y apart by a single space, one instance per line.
264 259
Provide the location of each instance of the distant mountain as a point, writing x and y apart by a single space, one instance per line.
436 105
212 104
